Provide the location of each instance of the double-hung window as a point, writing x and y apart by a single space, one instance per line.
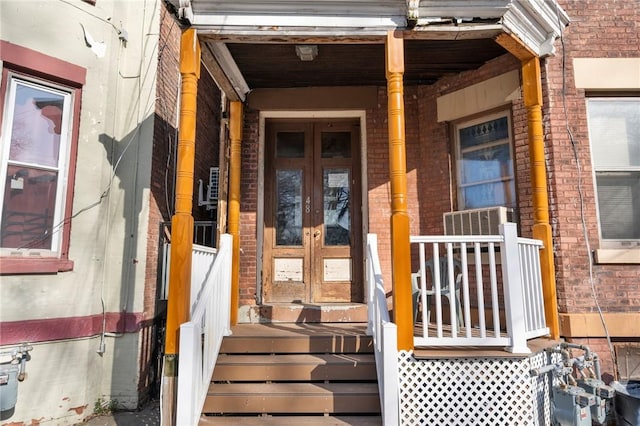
35 151
614 132
485 162
39 119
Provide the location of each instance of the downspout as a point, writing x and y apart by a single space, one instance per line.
400 246
178 303
532 92
235 136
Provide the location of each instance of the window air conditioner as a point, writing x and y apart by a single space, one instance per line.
483 221
211 199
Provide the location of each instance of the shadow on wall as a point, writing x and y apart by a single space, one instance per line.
132 328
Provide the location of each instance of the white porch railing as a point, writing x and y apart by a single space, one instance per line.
519 298
200 338
384 334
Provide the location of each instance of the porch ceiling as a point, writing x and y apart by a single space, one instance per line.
250 44
276 65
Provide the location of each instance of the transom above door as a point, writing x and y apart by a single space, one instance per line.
312 244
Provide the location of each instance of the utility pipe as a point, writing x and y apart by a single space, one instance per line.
400 245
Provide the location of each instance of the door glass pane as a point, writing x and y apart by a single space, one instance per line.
336 145
290 145
337 217
36 127
288 207
28 208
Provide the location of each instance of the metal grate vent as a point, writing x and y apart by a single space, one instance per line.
214 179
477 221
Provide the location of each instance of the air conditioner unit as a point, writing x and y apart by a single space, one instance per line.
211 199
484 221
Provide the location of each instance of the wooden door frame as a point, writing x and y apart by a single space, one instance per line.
264 116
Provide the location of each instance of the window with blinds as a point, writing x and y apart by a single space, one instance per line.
614 132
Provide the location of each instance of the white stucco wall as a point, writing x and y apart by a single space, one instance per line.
108 240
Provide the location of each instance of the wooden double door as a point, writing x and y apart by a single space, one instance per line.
312 232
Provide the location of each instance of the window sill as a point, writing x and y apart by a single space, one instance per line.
9 266
628 255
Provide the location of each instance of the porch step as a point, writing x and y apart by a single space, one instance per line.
292 420
302 374
276 313
303 398
314 338
294 367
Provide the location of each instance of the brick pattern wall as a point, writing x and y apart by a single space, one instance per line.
597 30
249 208
208 115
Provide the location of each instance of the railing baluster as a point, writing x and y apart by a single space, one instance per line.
466 314
477 254
495 306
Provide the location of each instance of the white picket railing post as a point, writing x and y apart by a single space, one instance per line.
385 337
512 287
209 309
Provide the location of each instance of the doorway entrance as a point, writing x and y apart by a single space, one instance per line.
312 232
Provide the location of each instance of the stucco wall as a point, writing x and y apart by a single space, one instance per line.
111 196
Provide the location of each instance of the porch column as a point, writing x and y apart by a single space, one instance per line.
400 246
532 92
178 304
235 136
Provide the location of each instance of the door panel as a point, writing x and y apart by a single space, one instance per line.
312 234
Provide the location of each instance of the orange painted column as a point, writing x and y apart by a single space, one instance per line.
532 88
235 136
532 92
182 221
400 245
178 304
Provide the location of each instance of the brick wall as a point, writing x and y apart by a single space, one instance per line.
597 30
207 139
249 208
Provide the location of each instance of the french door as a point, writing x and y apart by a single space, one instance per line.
312 244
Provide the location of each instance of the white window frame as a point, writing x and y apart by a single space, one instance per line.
462 205
13 80
608 243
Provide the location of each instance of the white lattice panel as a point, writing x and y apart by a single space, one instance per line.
468 391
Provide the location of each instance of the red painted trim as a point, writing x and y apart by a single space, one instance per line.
53 265
44 330
41 65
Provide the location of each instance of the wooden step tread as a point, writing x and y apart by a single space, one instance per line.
296 344
351 359
294 367
293 389
291 420
299 329
299 398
